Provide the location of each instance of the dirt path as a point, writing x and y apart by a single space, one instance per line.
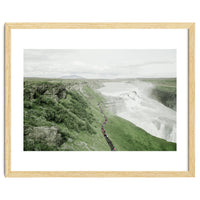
104 131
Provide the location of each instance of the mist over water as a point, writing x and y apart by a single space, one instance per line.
132 101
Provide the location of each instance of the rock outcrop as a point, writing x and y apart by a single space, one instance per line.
50 136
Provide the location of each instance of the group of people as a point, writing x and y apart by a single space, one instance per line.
104 131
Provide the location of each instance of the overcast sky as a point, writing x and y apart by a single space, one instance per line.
54 63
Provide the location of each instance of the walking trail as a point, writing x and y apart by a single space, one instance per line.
104 131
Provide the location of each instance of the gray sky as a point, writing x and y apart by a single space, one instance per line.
127 63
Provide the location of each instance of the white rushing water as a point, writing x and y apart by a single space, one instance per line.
132 102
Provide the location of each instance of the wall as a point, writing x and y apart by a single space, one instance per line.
100 11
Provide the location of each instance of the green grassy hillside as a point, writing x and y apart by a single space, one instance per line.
134 138
62 115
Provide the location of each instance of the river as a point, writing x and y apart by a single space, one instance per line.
132 101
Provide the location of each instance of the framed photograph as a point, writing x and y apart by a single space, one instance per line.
99 99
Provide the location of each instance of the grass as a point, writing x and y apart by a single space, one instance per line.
49 103
128 137
71 107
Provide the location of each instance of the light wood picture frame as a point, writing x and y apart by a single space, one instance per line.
191 100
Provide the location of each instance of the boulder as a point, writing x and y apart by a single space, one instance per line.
48 135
